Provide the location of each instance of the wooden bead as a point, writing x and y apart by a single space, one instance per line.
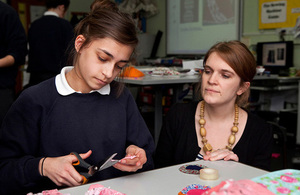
231 139
228 147
234 129
207 147
202 132
202 121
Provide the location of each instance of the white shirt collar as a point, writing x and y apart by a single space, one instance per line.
50 13
64 88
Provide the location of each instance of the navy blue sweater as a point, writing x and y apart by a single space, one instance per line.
49 38
41 123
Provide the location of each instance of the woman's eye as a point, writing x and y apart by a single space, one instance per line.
226 76
206 71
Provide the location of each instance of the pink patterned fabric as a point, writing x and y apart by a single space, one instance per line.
98 189
245 187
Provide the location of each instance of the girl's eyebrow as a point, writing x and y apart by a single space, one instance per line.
110 55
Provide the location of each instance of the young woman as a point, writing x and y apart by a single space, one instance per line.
218 127
80 110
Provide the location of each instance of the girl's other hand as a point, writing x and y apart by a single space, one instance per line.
134 164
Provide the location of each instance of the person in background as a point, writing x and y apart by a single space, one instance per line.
49 38
13 50
219 127
83 109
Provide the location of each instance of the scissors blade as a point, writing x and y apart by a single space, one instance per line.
109 162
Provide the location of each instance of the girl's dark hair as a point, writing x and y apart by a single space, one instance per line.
106 21
240 59
103 4
55 3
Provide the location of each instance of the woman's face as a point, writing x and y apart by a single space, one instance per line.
220 84
99 62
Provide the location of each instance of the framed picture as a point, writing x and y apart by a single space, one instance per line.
275 56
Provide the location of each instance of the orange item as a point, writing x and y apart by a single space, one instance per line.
132 72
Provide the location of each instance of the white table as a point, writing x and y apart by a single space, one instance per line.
170 180
176 82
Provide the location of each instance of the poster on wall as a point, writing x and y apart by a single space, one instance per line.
278 13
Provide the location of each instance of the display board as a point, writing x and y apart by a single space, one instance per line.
278 13
193 26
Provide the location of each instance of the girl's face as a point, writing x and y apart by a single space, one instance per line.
99 63
220 84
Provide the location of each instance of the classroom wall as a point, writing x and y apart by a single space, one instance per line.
78 6
250 36
154 23
158 22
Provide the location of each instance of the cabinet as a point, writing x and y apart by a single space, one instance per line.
278 95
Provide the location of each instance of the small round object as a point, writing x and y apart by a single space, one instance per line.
209 174
202 121
234 129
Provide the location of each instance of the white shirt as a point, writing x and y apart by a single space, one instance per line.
64 88
50 13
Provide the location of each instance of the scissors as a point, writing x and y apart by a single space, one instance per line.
92 169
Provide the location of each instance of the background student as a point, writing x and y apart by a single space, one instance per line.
49 38
219 127
83 109
13 50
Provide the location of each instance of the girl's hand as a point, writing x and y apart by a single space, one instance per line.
221 154
61 171
134 164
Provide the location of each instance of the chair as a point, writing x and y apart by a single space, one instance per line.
279 144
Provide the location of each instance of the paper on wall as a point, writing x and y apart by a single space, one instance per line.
192 64
297 28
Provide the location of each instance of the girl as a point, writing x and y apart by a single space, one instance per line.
82 110
218 127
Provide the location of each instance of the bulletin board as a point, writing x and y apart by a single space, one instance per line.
278 13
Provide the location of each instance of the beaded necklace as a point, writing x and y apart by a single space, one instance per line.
234 129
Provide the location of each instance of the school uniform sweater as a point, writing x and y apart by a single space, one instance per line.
44 123
49 38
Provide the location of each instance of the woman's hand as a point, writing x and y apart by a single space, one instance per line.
61 171
132 165
221 154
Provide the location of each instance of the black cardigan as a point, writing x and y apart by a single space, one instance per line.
178 140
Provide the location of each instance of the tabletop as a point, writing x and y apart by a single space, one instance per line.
158 80
170 180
